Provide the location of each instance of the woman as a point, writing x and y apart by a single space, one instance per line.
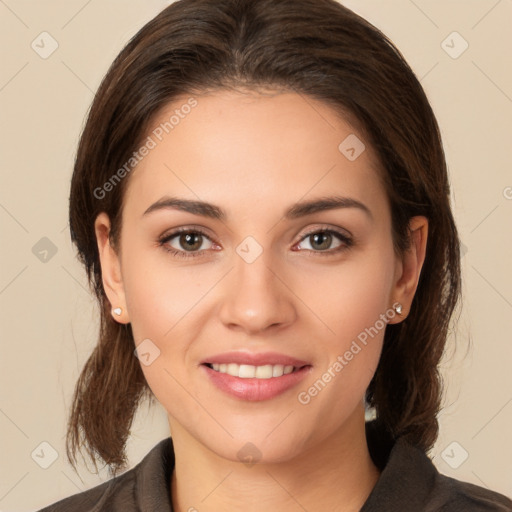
261 202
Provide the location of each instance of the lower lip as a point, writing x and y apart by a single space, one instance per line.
255 389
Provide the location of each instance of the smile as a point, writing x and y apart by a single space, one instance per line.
247 371
254 383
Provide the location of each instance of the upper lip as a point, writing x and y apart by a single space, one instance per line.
259 359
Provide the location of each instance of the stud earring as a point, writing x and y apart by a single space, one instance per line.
398 308
117 311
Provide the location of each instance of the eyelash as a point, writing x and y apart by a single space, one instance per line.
347 242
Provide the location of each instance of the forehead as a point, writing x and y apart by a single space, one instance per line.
242 148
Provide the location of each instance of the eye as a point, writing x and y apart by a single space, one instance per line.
321 240
189 242
185 242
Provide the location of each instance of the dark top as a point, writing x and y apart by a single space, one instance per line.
409 482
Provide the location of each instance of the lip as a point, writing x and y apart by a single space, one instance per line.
255 359
255 389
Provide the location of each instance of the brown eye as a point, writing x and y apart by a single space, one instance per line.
186 242
190 241
321 242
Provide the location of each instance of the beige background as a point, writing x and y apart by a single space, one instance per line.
48 316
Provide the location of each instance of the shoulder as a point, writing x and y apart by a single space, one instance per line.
455 495
102 497
144 487
441 493
410 481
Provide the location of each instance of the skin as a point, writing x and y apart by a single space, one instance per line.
254 155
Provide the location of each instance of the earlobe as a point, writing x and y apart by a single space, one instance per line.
409 268
110 269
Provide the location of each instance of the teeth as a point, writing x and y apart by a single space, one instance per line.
247 371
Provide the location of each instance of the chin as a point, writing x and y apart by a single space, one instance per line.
253 447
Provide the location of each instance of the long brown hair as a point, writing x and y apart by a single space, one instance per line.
316 48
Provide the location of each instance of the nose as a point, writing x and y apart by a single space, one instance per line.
256 297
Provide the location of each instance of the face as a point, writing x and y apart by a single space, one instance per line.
257 279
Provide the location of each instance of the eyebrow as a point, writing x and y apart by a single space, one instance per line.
300 209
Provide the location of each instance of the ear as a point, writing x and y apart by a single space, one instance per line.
408 268
110 269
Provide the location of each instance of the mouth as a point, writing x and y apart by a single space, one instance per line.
254 382
248 371
254 376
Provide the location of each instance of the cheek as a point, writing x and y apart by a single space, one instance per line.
353 304
160 302
158 296
353 308
165 303
350 297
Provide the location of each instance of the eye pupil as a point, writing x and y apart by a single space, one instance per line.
321 238
187 241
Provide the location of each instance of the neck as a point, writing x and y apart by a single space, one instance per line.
337 474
